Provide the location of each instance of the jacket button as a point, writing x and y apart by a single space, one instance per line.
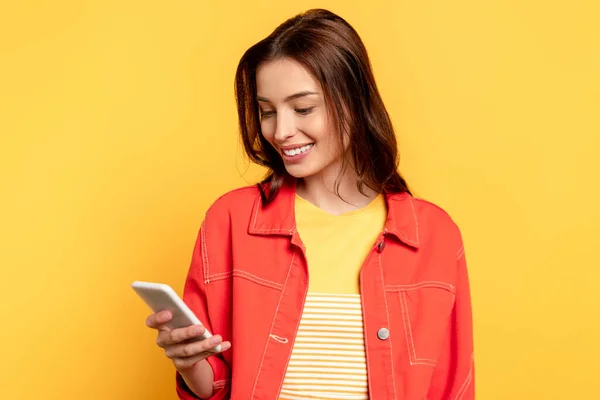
383 333
381 246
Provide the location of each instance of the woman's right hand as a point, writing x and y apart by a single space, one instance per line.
177 345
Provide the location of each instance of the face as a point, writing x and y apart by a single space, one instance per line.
294 119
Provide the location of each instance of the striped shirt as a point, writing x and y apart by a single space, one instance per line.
328 358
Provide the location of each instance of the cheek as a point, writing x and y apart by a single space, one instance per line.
327 134
315 127
268 130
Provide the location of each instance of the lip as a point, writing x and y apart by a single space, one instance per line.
298 157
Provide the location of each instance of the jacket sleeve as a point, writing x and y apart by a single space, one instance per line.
453 378
194 295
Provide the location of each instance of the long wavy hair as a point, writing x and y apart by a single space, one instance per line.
333 53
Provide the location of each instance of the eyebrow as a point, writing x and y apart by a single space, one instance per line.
290 97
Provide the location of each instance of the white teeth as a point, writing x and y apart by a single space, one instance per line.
293 152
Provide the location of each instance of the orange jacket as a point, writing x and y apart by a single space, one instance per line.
248 282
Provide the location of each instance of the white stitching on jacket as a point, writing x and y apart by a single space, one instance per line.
246 275
387 313
460 252
279 339
409 337
412 205
204 251
463 389
272 325
421 285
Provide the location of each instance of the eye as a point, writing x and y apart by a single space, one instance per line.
266 114
304 111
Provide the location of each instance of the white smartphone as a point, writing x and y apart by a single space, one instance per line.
160 297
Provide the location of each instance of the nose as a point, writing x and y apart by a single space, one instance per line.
285 129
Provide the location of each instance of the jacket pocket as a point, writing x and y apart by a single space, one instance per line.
426 310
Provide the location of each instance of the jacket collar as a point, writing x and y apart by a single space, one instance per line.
277 218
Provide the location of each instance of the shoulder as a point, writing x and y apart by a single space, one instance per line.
433 214
433 225
234 199
232 205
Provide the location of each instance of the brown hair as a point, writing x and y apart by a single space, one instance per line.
333 53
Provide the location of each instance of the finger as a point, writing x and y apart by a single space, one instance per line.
182 363
192 349
176 336
157 320
225 346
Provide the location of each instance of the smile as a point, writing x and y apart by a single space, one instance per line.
298 150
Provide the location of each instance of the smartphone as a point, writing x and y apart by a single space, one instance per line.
161 297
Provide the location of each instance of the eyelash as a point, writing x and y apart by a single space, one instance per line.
301 111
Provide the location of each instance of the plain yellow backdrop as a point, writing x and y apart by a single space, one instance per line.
118 129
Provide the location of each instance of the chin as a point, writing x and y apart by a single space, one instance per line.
299 172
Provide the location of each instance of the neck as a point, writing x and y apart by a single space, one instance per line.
320 190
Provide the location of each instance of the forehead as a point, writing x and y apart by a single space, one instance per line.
278 79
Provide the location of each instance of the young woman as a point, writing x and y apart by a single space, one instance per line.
328 280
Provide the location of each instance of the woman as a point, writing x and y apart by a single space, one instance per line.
329 279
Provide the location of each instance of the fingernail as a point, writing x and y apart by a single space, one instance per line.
198 330
215 340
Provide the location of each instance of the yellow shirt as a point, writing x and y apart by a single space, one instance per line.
336 245
328 358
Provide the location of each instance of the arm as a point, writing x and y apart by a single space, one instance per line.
197 380
453 378
209 378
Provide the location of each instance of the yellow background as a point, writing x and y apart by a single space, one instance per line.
118 129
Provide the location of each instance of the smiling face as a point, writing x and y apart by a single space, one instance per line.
294 119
